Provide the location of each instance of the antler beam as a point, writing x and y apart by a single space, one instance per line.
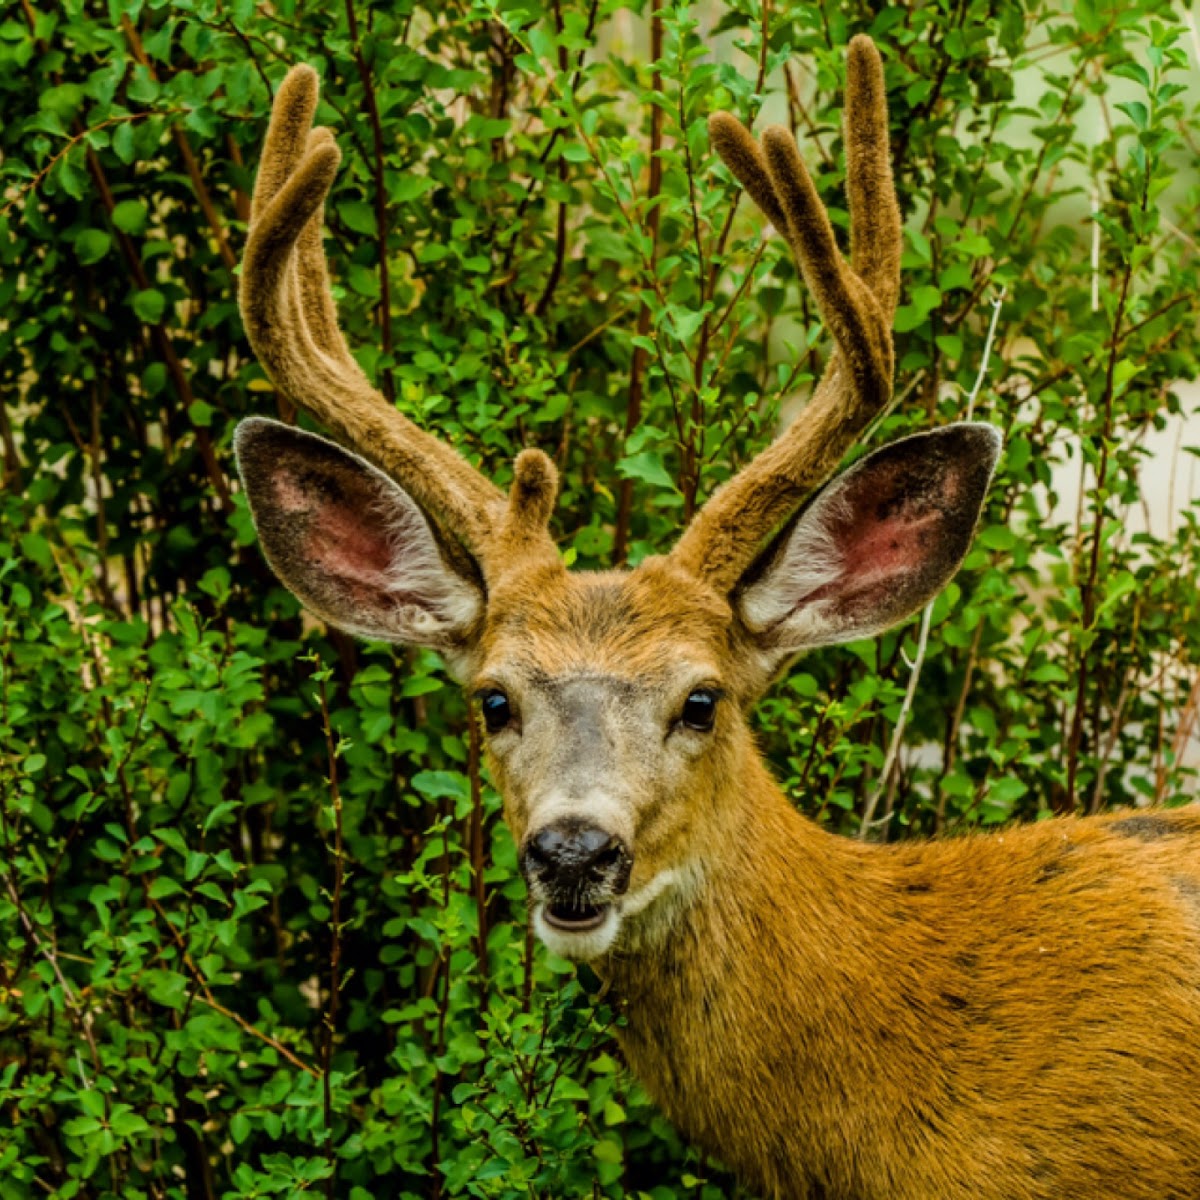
292 325
856 300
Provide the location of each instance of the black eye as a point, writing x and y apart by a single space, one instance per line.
496 710
700 710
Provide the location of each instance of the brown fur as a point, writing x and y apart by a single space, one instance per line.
1004 1017
520 543
1012 1016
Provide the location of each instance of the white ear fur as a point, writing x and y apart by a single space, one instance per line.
811 560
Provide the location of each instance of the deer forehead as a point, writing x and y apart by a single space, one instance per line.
649 626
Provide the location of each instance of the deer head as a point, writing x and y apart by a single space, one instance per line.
615 703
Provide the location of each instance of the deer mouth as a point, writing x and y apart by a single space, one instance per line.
575 918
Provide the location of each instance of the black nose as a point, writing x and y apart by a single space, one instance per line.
570 854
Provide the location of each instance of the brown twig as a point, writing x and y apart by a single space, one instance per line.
633 402
187 154
475 842
950 745
161 337
560 225
72 142
335 934
1088 589
384 311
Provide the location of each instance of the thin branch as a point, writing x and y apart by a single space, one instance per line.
893 749
187 154
475 843
1087 593
335 933
47 952
633 403
384 311
898 733
33 184
987 354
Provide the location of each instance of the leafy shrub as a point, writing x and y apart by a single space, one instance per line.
263 931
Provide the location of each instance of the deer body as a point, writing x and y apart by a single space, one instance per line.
1014 1017
987 1018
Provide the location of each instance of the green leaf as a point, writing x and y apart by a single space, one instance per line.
37 550
358 216
997 537
129 216
646 466
63 100
1048 673
926 298
91 245
908 318
420 685
686 323
161 887
436 785
410 187
973 245
149 304
608 1150
1136 111
81 1126
200 413
123 143
126 1124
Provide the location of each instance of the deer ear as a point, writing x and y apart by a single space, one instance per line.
350 543
875 546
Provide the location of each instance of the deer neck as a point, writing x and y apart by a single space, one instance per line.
745 1002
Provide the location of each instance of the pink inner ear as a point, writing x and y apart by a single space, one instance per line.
877 550
342 535
341 544
889 531
348 545
289 494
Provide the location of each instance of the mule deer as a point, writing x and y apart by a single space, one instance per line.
1008 1017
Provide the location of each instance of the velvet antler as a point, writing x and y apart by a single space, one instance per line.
292 325
856 300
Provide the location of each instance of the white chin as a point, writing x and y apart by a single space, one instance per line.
579 945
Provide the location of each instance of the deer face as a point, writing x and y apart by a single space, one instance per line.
609 702
615 703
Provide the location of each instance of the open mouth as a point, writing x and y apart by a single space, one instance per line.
575 918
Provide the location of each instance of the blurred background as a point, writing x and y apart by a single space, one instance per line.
201 995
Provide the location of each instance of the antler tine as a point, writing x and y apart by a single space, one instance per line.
856 303
876 238
292 325
311 277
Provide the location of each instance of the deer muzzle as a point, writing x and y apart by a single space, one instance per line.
576 870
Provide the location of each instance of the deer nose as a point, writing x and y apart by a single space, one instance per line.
568 854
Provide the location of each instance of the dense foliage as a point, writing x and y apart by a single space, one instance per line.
262 928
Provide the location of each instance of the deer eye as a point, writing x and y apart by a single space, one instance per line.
700 710
497 712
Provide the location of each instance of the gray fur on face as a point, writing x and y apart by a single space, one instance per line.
595 748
